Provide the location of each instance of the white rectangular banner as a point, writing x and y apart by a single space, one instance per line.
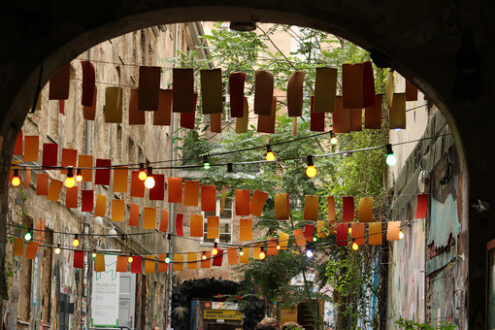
105 295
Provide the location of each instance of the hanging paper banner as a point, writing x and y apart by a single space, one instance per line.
421 206
266 123
164 221
78 259
149 87
157 193
42 184
389 88
187 119
174 190
178 262
101 206
208 198
149 265
18 247
211 91
84 162
196 225
341 237
162 265
411 92
192 260
272 247
149 218
331 209
136 265
320 224
89 112
122 264
102 172
232 256
325 89
120 179
295 93
54 190
373 114
244 255
191 193
311 206
137 186
163 117
393 230
60 84
283 240
356 119
113 105
18 144
368 85
352 86
183 89
365 209
263 93
213 227
357 233
348 208
217 260
216 123
397 113
282 206
317 119
236 92
299 236
206 262
99 263
118 207
136 117
257 203
341 118
375 233
309 231
32 250
88 83
27 177
246 230
242 202
133 215
87 200
179 230
69 158
31 148
50 155
241 123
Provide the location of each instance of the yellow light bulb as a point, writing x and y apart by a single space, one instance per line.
350 230
203 256
311 171
57 250
333 140
130 260
241 253
75 242
214 251
16 181
142 175
278 247
401 234
262 255
270 156
79 176
355 246
149 182
70 182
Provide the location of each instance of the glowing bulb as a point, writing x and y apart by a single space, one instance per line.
93 255
130 259
69 181
149 182
278 247
401 234
28 236
167 259
206 164
203 256
16 179
350 230
310 169
309 253
142 173
214 251
75 242
79 176
241 253
57 249
270 156
262 254
355 246
315 239
390 160
333 140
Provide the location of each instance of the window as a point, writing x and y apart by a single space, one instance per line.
225 230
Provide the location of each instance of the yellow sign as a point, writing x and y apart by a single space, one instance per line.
221 314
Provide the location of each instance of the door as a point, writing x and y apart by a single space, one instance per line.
127 298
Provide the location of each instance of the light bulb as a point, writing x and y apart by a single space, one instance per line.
142 172
149 182
333 140
309 253
75 242
390 159
401 234
315 239
355 246
278 247
270 156
203 256
310 169
28 236
350 230
206 164
262 254
167 259
69 180
57 249
93 255
130 259
79 176
16 179
241 253
214 251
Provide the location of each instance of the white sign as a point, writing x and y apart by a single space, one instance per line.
105 295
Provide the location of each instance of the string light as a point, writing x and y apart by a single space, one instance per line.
130 259
206 164
241 253
355 246
149 182
79 176
214 251
350 230
278 245
203 255
333 138
401 234
16 179
75 242
57 249
309 253
270 156
262 253
28 236
69 180
93 255
142 172
310 169
391 160
167 259
315 238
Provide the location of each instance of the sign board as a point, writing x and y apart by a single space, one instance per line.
288 314
222 314
105 295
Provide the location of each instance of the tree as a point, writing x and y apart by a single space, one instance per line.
358 174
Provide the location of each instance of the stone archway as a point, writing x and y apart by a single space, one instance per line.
420 39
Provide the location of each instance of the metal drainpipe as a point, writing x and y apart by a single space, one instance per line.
171 205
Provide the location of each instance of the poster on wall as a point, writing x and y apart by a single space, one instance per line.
105 295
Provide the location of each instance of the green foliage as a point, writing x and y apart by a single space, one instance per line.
411 325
